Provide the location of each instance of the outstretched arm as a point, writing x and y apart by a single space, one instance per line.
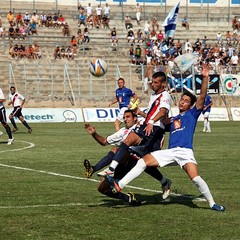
92 131
203 92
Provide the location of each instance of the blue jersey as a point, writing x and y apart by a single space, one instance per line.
123 96
208 100
183 127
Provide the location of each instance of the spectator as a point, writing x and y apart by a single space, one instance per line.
61 21
155 24
128 23
130 36
234 62
89 21
2 32
11 32
35 18
57 53
188 46
49 20
33 27
17 33
86 37
106 11
62 51
69 53
105 21
10 18
185 22
66 30
19 19
228 37
140 37
26 18
79 37
54 20
114 37
81 20
160 36
37 51
89 10
43 20
73 41
219 37
96 21
235 23
98 10
131 54
138 13
147 28
138 53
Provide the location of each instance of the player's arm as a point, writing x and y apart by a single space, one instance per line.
161 114
22 103
2 100
141 113
92 131
203 92
113 102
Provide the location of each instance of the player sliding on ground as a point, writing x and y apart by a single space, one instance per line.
180 150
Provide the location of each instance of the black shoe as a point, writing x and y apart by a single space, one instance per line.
89 168
133 201
30 130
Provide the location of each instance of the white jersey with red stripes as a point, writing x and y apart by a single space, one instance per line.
158 101
16 99
1 97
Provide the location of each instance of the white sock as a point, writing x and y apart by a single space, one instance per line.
205 123
134 173
203 188
208 125
113 164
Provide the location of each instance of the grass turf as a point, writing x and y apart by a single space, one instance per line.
44 194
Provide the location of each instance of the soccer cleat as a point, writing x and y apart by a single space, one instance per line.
10 141
208 130
105 172
217 207
132 200
113 183
30 130
204 130
15 130
1 133
88 167
166 189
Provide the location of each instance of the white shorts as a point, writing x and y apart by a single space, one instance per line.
206 114
175 156
121 113
138 16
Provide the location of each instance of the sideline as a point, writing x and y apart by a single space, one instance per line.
94 180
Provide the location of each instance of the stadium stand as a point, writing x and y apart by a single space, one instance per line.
47 78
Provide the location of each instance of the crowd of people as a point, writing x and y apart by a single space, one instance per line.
21 51
147 42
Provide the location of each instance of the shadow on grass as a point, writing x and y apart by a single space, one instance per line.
156 199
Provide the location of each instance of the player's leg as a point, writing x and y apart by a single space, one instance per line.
105 161
3 120
132 140
192 171
11 118
21 118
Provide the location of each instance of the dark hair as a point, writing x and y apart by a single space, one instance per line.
192 97
121 79
162 75
12 87
131 111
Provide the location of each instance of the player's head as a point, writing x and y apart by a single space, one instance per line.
186 101
12 89
159 82
121 82
130 118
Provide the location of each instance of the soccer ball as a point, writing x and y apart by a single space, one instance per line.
98 67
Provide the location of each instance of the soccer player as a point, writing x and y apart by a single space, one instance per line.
151 132
180 150
123 97
130 159
3 119
17 101
206 112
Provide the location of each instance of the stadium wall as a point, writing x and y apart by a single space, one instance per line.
215 3
46 115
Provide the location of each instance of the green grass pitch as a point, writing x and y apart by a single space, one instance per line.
45 195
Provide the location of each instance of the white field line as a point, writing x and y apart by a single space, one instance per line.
30 145
94 180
